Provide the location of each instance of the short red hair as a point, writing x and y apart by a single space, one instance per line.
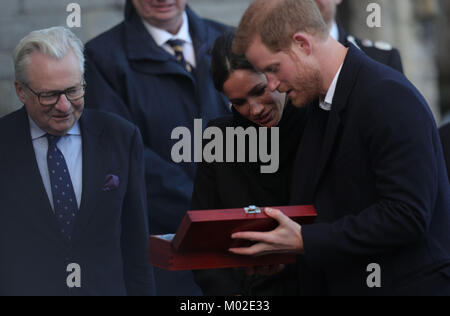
276 21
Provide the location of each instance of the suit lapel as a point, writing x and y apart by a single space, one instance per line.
140 45
94 172
36 203
331 133
344 87
202 38
316 147
305 164
343 35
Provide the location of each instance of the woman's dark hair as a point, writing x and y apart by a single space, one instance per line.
224 62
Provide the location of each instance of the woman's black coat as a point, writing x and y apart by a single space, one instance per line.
236 185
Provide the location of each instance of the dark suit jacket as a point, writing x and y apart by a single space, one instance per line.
389 57
379 185
445 139
128 74
110 239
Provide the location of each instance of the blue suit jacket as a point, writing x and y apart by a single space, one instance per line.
375 170
110 239
128 74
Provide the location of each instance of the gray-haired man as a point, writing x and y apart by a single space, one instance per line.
73 218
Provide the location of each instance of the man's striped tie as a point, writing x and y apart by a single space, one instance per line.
177 46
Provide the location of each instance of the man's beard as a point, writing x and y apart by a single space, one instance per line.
307 85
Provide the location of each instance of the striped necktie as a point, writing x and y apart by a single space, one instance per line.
177 46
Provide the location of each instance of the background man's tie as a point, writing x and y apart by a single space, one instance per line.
64 200
177 46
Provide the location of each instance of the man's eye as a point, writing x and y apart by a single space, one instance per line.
260 92
49 94
73 92
272 70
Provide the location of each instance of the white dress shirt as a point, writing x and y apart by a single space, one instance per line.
325 104
162 36
334 32
70 146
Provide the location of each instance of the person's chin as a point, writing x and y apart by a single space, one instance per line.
273 123
61 126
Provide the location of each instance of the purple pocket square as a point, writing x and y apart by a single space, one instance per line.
112 183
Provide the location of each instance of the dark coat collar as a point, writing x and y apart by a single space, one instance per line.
141 46
343 35
94 172
344 88
347 78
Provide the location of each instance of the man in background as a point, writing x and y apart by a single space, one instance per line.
154 70
379 51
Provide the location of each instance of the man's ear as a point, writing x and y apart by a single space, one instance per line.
302 42
20 91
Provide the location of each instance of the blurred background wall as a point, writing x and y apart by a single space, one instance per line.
418 28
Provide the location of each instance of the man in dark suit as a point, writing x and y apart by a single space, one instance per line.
73 217
379 51
154 70
370 160
445 139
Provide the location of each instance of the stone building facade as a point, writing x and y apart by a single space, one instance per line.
409 25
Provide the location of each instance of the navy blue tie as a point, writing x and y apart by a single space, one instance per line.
64 199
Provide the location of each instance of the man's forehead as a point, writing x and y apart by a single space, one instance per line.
260 55
51 73
256 41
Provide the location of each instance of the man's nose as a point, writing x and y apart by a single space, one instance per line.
272 82
63 104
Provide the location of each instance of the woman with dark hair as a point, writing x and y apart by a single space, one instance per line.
237 185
